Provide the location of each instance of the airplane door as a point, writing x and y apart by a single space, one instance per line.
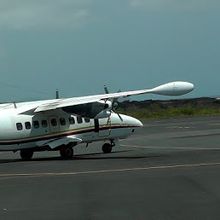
103 127
96 124
54 124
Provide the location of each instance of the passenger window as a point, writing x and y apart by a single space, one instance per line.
28 125
87 120
19 126
72 120
44 123
62 121
36 124
54 122
79 119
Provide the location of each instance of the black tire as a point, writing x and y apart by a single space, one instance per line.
66 152
107 148
26 154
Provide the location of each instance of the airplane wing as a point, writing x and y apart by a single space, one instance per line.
53 143
170 89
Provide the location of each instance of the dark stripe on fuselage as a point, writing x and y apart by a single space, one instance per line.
58 135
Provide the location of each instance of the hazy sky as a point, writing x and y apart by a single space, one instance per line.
78 46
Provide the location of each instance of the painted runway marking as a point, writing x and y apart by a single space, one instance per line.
169 148
161 167
178 127
214 124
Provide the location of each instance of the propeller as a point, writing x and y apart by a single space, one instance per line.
114 104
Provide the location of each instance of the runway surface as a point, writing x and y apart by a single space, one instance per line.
170 169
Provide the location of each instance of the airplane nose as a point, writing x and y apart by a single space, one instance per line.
139 123
128 120
136 123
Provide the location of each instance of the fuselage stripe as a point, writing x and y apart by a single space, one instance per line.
61 134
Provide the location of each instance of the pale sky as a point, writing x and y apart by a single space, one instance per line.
78 46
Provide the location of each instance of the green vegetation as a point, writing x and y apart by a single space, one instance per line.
158 110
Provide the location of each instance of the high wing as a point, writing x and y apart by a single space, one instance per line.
170 89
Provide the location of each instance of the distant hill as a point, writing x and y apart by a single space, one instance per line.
171 108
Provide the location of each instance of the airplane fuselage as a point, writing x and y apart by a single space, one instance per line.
20 131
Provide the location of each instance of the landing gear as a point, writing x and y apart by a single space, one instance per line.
66 152
26 154
107 148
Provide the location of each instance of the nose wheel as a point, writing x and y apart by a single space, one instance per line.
107 148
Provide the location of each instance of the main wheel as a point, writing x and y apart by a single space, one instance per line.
66 152
107 148
26 154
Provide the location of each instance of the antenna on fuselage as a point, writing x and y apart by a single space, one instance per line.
15 106
106 89
57 94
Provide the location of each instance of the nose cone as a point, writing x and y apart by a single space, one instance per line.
137 123
131 121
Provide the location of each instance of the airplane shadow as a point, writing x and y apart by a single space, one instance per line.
89 156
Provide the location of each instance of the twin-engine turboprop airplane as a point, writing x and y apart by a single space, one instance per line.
61 124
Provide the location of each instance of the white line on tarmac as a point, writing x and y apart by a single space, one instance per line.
161 167
169 148
178 127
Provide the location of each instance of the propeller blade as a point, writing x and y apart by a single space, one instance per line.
120 116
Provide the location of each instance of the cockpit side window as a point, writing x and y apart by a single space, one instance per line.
19 126
36 124
44 123
62 121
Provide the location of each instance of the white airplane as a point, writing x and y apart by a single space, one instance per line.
61 124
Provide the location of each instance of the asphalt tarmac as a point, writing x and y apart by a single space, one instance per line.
170 169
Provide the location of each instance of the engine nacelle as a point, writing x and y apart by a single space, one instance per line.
107 105
106 112
103 114
101 109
